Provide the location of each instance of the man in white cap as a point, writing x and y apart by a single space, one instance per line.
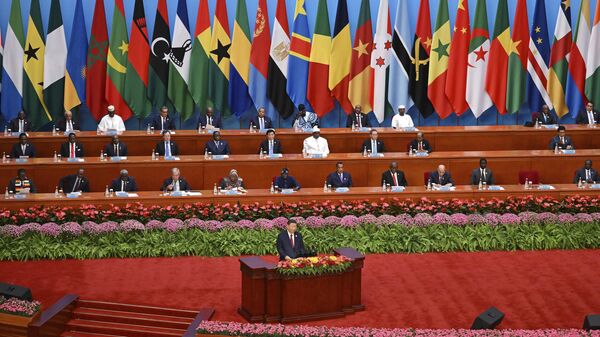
315 144
402 120
111 121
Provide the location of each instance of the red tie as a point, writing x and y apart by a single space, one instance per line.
395 179
72 150
292 240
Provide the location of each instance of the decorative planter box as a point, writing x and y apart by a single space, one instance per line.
15 325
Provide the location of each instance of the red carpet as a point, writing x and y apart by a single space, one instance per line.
539 289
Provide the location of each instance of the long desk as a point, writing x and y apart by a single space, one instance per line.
447 138
258 173
263 196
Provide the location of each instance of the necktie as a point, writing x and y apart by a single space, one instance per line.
358 121
75 185
21 129
176 185
116 150
23 147
373 147
162 123
420 148
591 117
587 174
261 123
483 174
68 127
209 121
167 149
395 178
292 240
72 154
270 147
562 140
341 178
122 185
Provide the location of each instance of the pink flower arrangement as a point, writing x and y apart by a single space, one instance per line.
314 265
15 306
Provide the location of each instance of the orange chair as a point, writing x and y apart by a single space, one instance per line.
533 176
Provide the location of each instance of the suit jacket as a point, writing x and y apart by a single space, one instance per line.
169 123
582 117
267 121
67 183
476 176
109 149
264 146
130 185
364 121
65 149
14 125
368 144
285 248
556 141
414 144
160 148
61 125
289 182
387 178
183 184
216 121
17 151
12 185
443 180
546 120
334 180
222 149
580 174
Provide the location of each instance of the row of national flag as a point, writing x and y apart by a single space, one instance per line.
447 71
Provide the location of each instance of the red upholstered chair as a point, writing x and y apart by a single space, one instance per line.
533 176
426 177
534 116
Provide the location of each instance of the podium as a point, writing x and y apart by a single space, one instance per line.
268 296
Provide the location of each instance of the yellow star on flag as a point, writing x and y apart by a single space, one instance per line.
428 42
538 29
514 47
463 30
361 48
124 47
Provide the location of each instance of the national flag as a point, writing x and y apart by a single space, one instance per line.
96 64
537 60
239 98
259 60
400 62
559 59
341 52
592 72
117 63
76 61
576 97
218 74
495 81
456 87
299 56
138 60
158 72
360 89
438 64
1 57
318 92
479 48
200 57
12 64
55 58
517 60
33 64
179 65
419 70
380 58
278 63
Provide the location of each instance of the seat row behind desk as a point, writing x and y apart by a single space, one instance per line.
257 173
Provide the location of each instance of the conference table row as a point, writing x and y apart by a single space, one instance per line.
203 173
341 140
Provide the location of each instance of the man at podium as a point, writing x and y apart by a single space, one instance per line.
289 243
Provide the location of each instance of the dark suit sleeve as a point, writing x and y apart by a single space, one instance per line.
227 151
64 151
366 144
280 248
85 186
301 249
382 147
349 180
450 180
349 120
186 186
80 146
329 179
32 188
403 181
474 180
294 181
552 144
428 146
164 185
157 149
133 184
261 147
175 148
124 151
384 179
279 147
11 186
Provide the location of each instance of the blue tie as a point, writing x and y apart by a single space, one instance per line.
270 148
167 149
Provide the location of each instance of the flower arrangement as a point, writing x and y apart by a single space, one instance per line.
15 306
316 265
254 211
280 330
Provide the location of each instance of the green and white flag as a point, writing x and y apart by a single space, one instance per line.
55 62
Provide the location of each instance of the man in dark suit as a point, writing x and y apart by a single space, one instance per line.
21 184
339 178
261 121
209 119
72 148
167 147
588 116
587 174
115 148
357 118
285 181
289 242
75 182
270 145
373 144
23 148
393 176
562 141
482 174
67 124
441 177
175 182
217 146
163 121
420 144
124 183
544 117
20 124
